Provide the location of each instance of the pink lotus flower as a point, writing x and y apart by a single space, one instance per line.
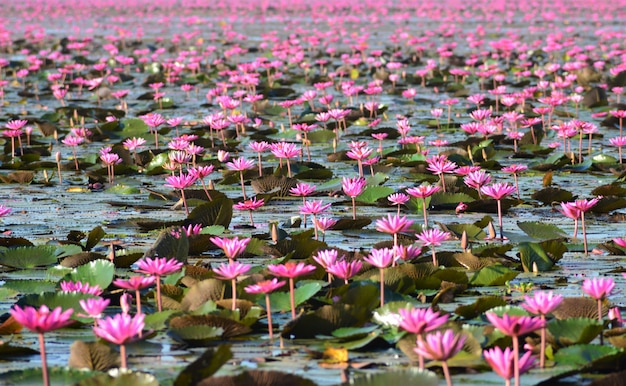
181 182
249 205
94 307
433 238
398 199
542 303
240 164
419 321
393 225
381 258
439 165
477 180
323 224
4 210
291 270
515 326
84 288
230 272
498 191
502 362
423 192
344 269
157 267
440 346
232 247
265 287
120 329
136 283
41 321
313 208
584 206
599 288
353 187
568 209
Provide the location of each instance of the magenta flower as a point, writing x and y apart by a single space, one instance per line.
265 287
584 206
477 179
433 238
313 208
381 258
542 303
440 346
360 154
344 269
200 173
249 205
84 288
259 147
515 326
323 224
159 266
136 283
286 151
498 191
419 321
619 241
4 210
153 121
181 182
41 321
439 165
393 225
230 272
502 362
232 247
398 199
120 329
73 141
240 164
568 209
94 306
515 169
599 288
353 187
325 257
423 192
291 270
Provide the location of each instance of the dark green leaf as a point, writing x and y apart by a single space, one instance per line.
493 275
570 331
541 230
98 272
583 355
205 366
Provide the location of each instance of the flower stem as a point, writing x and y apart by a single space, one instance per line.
425 212
600 320
292 298
446 373
353 208
138 301
542 354
158 287
500 219
382 287
182 193
233 283
516 359
44 362
582 220
420 338
123 363
269 315
243 189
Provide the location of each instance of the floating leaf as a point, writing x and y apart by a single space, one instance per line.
33 376
120 377
347 223
583 355
321 136
325 320
608 204
567 332
541 231
281 301
201 292
65 300
479 307
216 212
196 335
7 351
205 366
30 286
157 320
348 332
473 231
29 257
411 376
550 195
258 378
609 190
493 275
372 194
534 257
578 307
170 245
92 356
446 200
99 272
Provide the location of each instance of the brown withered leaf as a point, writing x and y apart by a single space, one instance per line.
93 356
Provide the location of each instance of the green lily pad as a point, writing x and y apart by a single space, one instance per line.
321 136
205 366
372 194
119 377
157 320
571 331
216 212
446 200
541 231
34 376
493 275
348 332
479 307
411 376
94 237
169 245
65 300
196 335
29 257
549 195
98 272
280 301
135 127
30 286
325 320
473 232
583 354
